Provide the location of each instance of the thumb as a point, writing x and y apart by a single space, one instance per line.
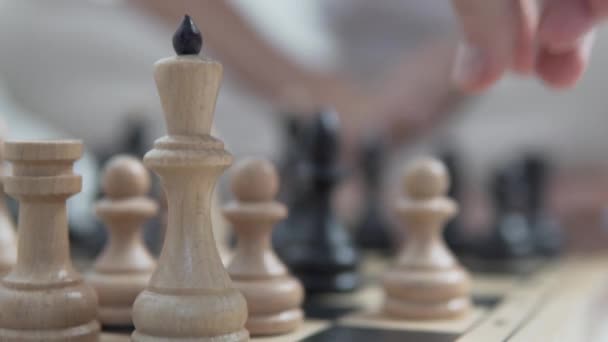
493 32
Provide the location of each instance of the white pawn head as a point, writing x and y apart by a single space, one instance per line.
426 178
125 176
255 180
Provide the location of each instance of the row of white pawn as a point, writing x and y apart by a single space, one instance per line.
124 267
426 281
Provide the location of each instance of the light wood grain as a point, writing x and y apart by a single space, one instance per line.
517 307
43 298
377 320
273 296
124 267
307 329
427 282
190 296
571 311
561 302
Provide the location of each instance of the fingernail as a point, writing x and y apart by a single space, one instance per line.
469 64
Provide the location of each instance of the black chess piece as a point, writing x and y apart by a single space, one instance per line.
135 143
373 230
311 241
546 230
131 139
510 237
291 155
454 233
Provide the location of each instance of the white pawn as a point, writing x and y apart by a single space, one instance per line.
273 296
124 267
427 282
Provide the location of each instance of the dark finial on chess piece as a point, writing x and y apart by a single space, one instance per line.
454 232
325 137
373 231
511 235
187 40
545 228
372 148
313 242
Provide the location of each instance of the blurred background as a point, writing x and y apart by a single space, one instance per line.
83 69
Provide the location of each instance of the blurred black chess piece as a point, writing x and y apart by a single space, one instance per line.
373 230
510 236
292 181
311 241
454 233
291 155
131 138
546 230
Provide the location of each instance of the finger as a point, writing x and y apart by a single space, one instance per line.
488 31
563 69
599 8
564 24
475 70
499 35
524 49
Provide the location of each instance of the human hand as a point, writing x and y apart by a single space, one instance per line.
551 38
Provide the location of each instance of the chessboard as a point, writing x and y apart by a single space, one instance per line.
193 292
534 300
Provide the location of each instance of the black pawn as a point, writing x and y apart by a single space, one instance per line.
311 241
373 231
510 237
454 234
546 230
291 155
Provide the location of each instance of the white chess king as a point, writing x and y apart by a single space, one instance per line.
190 296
